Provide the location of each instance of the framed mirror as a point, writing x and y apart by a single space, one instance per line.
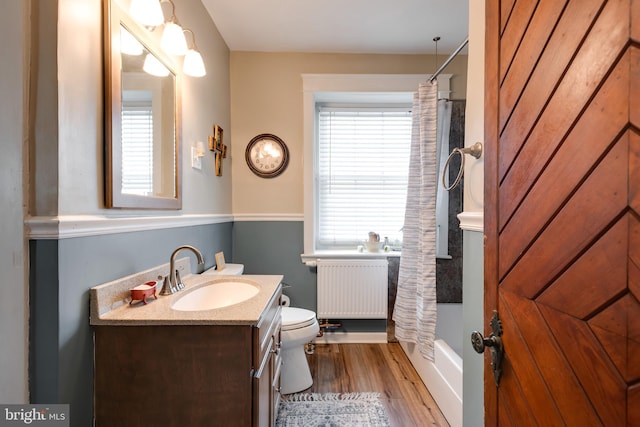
142 117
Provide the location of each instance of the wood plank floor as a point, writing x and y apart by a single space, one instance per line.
382 368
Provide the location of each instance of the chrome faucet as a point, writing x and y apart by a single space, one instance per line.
173 282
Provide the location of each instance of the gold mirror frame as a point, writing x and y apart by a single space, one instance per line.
114 19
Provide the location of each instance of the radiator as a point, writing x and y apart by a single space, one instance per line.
352 289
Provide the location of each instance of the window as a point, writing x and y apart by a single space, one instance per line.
361 173
137 143
338 90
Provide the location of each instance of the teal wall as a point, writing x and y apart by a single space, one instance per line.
62 273
472 313
274 247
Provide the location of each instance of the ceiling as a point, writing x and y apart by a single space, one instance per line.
341 26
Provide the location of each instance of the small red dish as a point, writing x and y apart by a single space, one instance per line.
144 291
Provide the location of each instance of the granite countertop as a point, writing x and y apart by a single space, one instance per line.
110 303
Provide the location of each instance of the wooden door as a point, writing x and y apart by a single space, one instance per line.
562 211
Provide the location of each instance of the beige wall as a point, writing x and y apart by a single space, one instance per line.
78 177
474 117
266 97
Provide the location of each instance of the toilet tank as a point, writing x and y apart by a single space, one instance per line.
228 270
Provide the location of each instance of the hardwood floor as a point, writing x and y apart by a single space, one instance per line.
382 368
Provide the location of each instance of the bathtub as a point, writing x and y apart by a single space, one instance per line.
443 376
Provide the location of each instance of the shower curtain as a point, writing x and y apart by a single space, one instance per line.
415 307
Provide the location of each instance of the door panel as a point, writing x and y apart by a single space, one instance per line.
553 369
539 89
556 112
579 223
540 29
578 290
562 211
526 372
513 32
588 359
609 113
506 5
634 411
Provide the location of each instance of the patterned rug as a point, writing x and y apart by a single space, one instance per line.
332 410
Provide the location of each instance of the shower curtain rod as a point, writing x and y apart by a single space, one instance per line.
449 59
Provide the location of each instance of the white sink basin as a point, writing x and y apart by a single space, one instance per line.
216 294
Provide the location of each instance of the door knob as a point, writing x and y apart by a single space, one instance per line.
479 342
494 342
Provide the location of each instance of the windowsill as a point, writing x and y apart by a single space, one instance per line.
311 259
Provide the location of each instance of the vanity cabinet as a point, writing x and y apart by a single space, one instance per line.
187 374
266 377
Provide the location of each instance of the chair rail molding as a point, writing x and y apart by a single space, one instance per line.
69 226
471 221
268 217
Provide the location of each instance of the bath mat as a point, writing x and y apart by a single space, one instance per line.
332 410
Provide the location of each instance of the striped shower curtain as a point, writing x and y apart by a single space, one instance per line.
415 307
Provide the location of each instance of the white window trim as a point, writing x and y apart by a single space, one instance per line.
335 88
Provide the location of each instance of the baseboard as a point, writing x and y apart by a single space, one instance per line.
352 338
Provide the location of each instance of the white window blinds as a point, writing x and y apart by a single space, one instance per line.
137 149
361 175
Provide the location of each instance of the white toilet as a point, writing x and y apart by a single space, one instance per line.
299 326
228 270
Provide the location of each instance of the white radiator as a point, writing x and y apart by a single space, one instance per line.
352 289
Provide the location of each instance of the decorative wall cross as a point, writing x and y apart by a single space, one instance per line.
218 147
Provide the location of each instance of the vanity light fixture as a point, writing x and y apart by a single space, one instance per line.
154 67
147 12
193 64
173 40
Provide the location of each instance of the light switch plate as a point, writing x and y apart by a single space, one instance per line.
196 162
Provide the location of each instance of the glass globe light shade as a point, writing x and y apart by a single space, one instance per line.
154 67
193 64
129 44
173 40
146 12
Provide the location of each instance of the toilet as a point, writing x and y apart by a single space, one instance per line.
228 270
299 326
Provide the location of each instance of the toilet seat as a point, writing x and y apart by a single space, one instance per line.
297 318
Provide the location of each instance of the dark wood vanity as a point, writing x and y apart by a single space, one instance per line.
189 374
